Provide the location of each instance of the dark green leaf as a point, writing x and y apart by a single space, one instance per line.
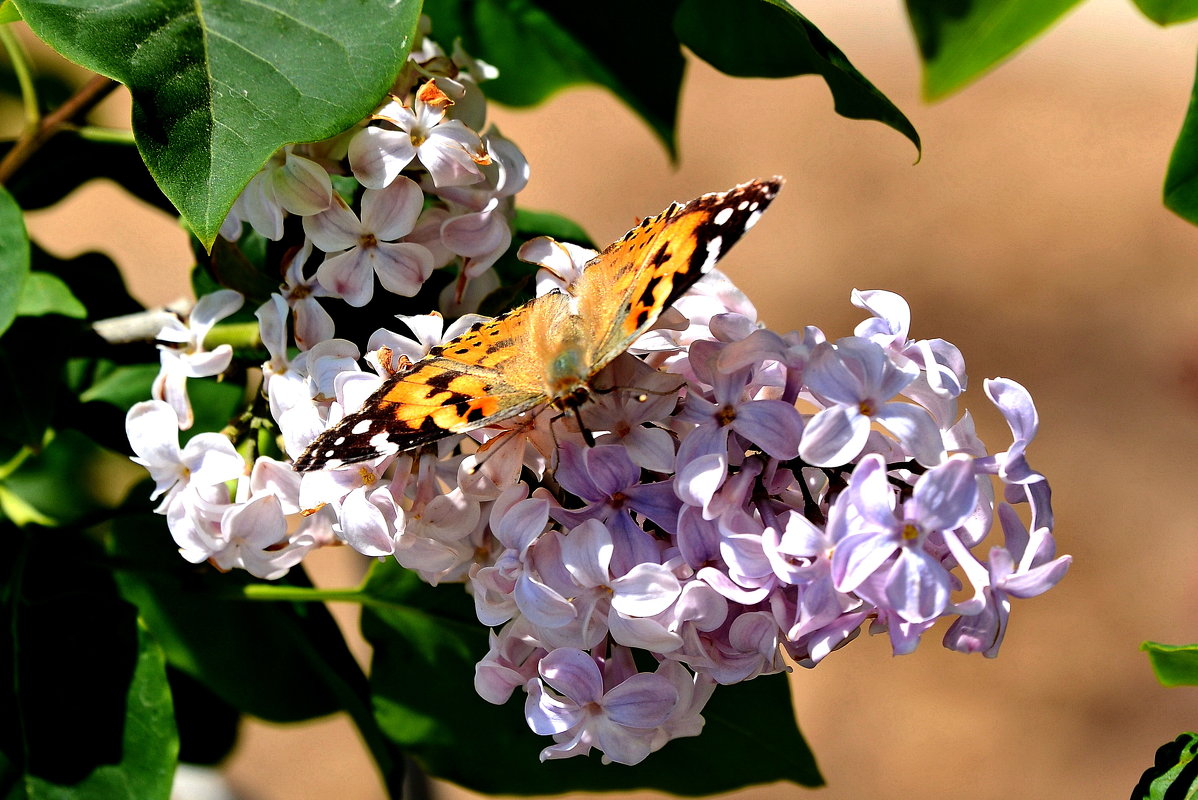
94 716
769 39
122 386
1174 775
212 635
31 366
233 270
219 85
207 725
543 46
1168 12
93 279
426 642
530 224
280 661
14 258
44 294
960 40
1174 665
1181 179
64 482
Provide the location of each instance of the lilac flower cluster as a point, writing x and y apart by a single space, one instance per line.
748 494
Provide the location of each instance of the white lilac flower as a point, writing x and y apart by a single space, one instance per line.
1024 567
359 249
452 153
255 539
738 500
185 356
287 183
623 604
208 459
313 323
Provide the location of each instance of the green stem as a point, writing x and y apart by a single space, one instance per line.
302 594
20 65
14 463
94 133
240 335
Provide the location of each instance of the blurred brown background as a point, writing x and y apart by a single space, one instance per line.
1032 236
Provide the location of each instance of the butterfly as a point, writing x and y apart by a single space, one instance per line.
548 350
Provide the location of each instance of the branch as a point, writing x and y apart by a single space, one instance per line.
32 138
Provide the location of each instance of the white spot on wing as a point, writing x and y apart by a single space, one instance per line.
752 220
362 427
381 443
714 247
340 441
743 205
723 216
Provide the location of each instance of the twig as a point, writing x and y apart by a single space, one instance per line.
31 139
140 326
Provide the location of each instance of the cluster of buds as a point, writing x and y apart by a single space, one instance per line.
739 494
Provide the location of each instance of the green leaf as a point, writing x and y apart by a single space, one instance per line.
1174 775
211 634
207 725
1174 665
233 270
426 641
769 39
1168 12
962 39
9 13
14 258
44 294
122 386
530 224
93 279
31 369
220 85
1181 178
209 630
543 46
91 716
63 482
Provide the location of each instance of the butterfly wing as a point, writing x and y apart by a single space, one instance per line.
481 377
659 259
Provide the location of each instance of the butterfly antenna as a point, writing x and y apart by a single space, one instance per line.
489 448
641 394
495 444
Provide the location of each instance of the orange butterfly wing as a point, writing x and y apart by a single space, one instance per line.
498 368
478 378
624 290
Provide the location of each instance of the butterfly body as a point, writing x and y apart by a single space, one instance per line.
547 351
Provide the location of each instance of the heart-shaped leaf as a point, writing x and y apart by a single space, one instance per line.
220 85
